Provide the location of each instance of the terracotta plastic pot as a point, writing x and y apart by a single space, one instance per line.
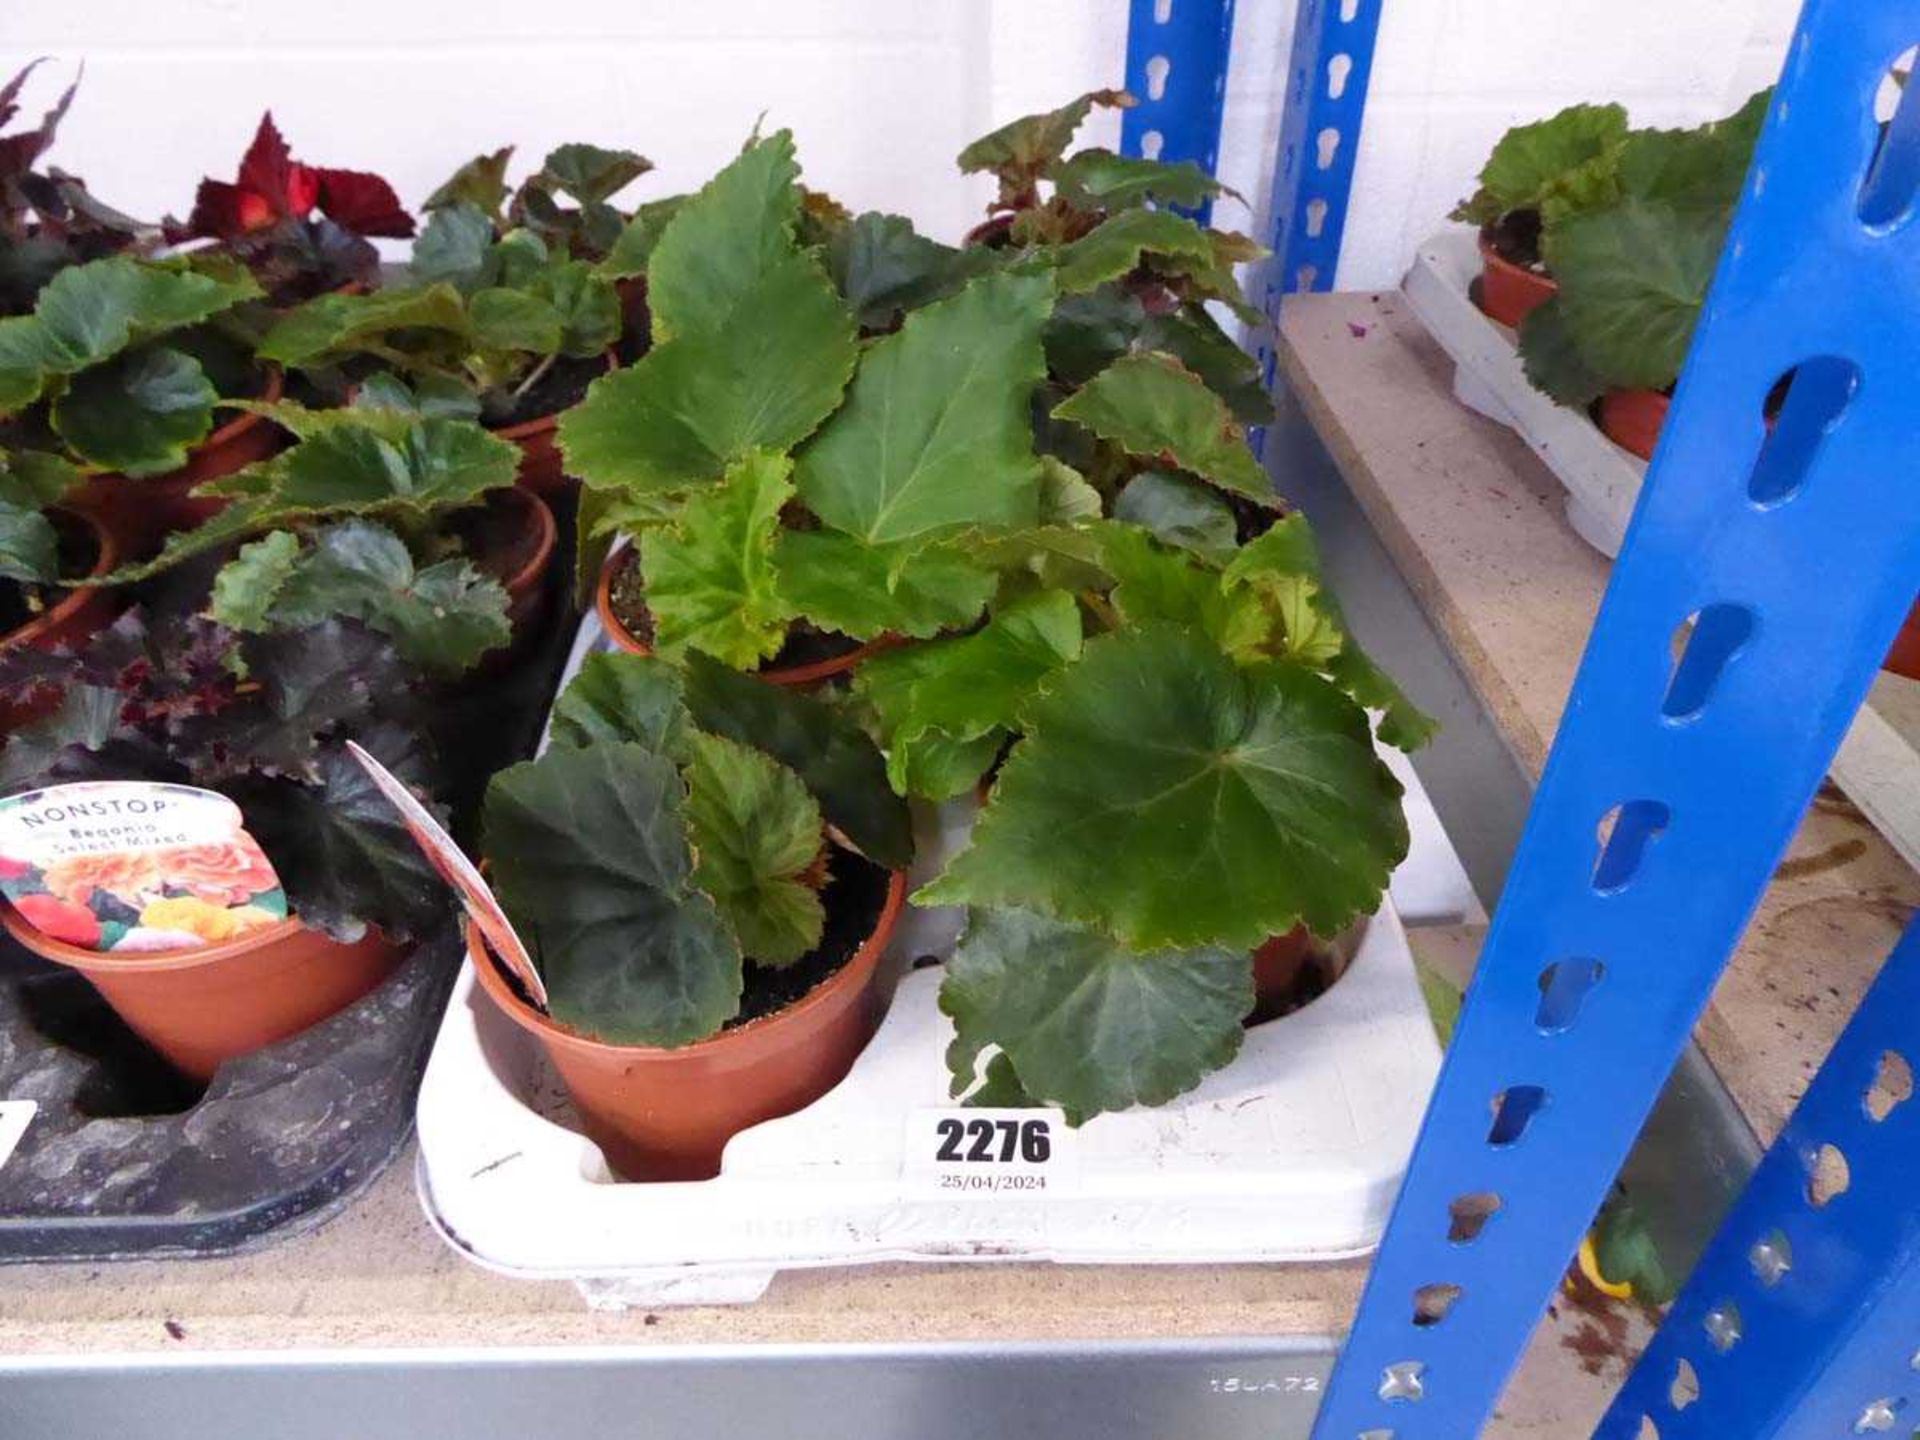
540 459
798 676
201 1007
667 1114
1282 963
1632 419
78 616
536 534
147 508
1510 292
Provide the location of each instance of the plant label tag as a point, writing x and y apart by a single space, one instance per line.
128 866
476 896
15 1116
964 1152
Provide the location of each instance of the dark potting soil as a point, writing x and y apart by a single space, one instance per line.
855 895
21 603
805 644
1314 979
561 388
1515 238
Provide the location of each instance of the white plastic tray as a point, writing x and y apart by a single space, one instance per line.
1602 480
1293 1152
1878 764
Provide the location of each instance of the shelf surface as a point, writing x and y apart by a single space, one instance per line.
1477 528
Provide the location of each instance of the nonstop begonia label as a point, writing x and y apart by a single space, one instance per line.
129 866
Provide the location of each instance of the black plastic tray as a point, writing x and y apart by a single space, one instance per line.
124 1159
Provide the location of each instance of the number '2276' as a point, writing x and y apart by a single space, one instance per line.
994 1140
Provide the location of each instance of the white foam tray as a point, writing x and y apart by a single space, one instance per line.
1292 1152
1602 480
1878 764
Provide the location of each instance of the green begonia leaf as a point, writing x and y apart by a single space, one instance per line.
591 862
587 304
1701 168
1024 150
1179 512
724 242
1086 1023
617 696
36 478
332 326
1213 279
935 432
453 246
755 832
435 464
481 182
1633 280
960 692
1153 407
247 586
1552 360
710 573
87 314
632 249
589 173
1195 339
350 462
820 743
428 396
1116 246
29 547
1174 799
1529 159
882 267
1088 332
1280 570
442 617
504 319
752 344
30 481
1101 180
139 413
842 583
1065 495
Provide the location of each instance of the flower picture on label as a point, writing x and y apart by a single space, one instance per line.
133 867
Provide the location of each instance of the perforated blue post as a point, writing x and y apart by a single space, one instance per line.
1327 79
1675 785
1177 70
1802 1319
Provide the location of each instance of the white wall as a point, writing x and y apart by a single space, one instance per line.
881 93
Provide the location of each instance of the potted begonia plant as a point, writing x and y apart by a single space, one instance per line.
262 719
707 871
506 331
406 522
121 366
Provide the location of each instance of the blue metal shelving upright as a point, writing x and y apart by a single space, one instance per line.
1776 559
1802 1320
1177 70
